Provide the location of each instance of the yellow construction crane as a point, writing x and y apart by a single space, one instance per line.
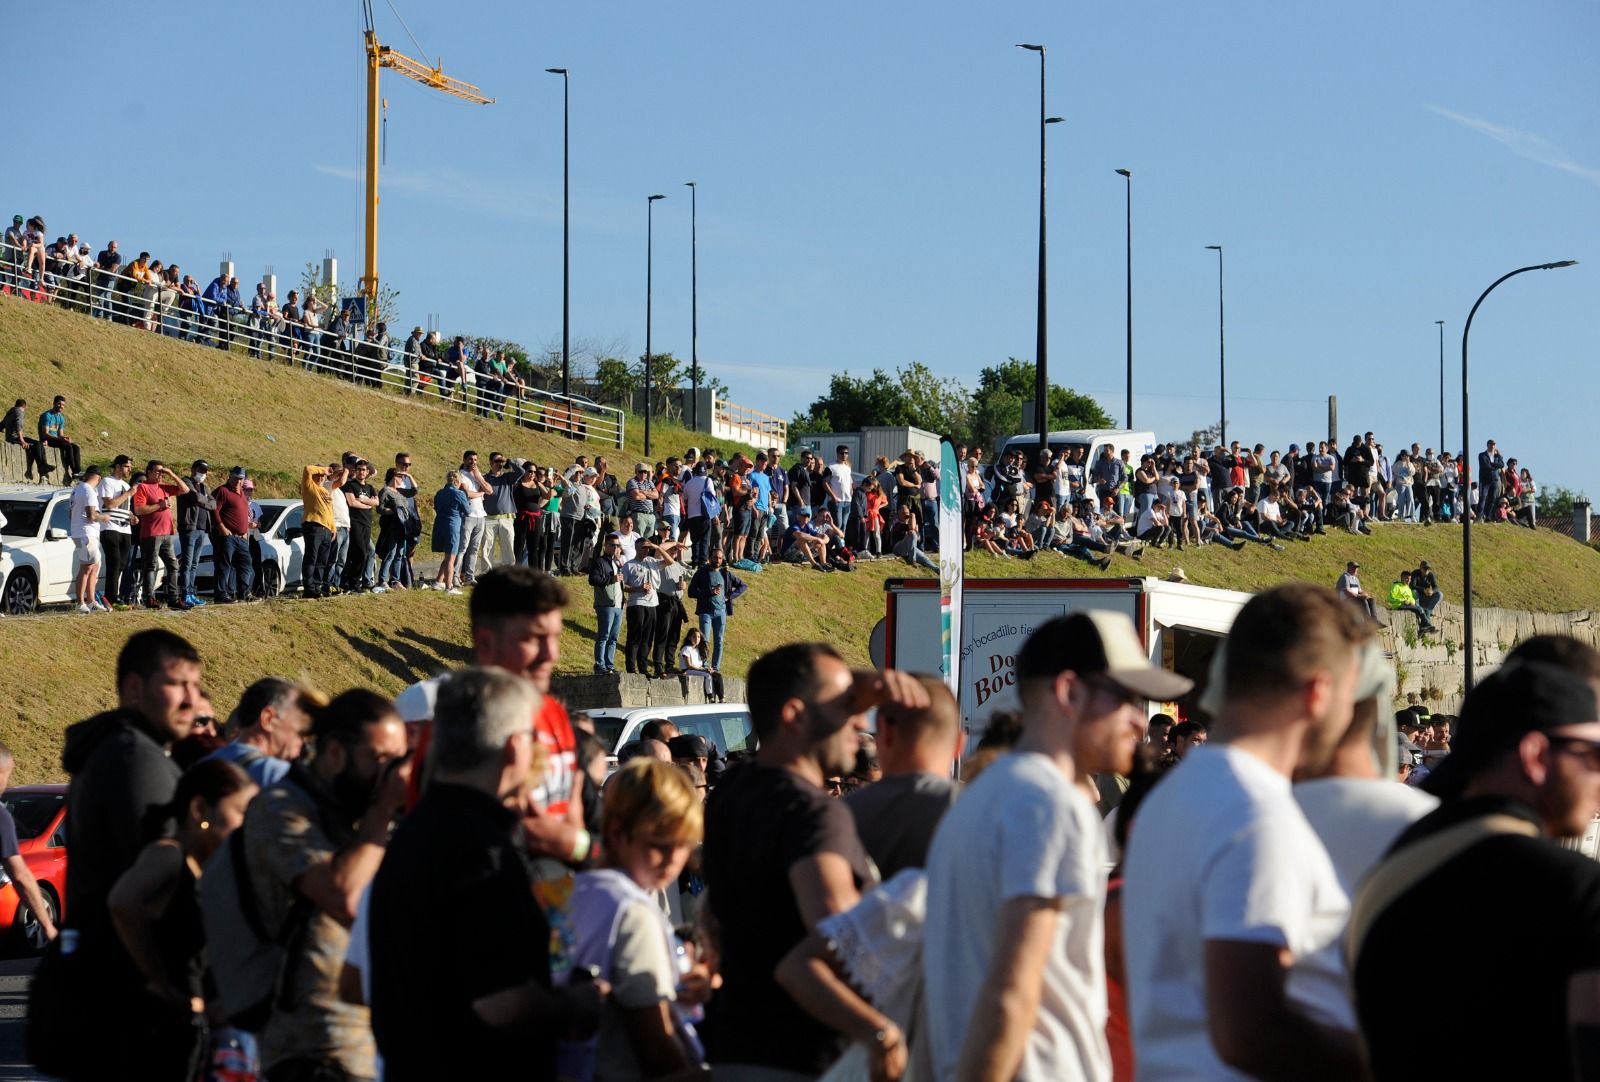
379 57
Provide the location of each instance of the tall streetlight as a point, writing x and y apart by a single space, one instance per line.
1466 480
1440 322
566 236
1222 351
1041 377
649 295
694 308
1128 176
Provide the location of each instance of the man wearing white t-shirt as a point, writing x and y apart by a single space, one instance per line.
1014 945
840 483
474 528
84 529
1232 909
116 536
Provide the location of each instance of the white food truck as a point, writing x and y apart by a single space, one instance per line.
1180 624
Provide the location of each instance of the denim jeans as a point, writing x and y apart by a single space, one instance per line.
193 541
713 622
318 555
393 550
236 577
608 625
337 555
840 510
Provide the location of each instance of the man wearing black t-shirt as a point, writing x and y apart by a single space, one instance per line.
360 497
1519 915
780 855
800 475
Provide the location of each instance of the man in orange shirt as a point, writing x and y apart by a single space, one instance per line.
318 526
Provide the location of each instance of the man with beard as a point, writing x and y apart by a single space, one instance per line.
311 847
1523 774
1016 876
122 780
780 855
1232 909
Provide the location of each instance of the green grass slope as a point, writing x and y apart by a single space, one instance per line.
1512 567
155 397
57 668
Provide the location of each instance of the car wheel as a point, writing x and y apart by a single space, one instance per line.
21 593
271 580
29 930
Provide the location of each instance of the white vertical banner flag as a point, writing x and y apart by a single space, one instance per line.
950 566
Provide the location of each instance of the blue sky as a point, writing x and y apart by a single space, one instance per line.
868 186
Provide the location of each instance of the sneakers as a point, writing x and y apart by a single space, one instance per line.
193 602
380 589
455 590
99 605
85 609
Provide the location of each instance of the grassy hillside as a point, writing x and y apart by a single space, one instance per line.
1512 567
138 393
57 668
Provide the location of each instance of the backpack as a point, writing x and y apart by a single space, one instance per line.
249 962
710 506
746 566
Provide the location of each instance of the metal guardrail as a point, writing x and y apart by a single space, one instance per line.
157 306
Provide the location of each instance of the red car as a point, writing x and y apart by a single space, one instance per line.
40 812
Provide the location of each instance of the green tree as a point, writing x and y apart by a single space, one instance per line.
852 403
937 404
1559 500
614 381
1004 388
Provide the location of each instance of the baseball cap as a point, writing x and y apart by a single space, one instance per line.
249 486
689 746
91 470
1098 642
641 468
416 702
200 466
1517 699
237 473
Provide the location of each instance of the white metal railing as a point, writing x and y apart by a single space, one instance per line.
158 306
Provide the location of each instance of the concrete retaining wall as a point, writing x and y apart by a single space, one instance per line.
1431 670
628 690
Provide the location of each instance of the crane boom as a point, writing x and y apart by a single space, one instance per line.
378 58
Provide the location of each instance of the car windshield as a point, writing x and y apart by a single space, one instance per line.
32 811
22 517
608 731
270 515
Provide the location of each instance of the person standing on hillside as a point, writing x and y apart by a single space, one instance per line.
605 575
500 510
840 485
317 528
361 498
230 554
474 526
195 508
154 502
53 433
88 518
715 589
116 536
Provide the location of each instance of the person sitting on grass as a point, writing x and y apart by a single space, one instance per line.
905 539
803 542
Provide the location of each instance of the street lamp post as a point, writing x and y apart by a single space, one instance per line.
649 296
566 236
1466 479
1041 377
1127 174
1440 322
1222 351
694 308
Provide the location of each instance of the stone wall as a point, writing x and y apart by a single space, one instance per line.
629 690
1431 670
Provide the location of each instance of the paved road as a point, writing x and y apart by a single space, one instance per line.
14 977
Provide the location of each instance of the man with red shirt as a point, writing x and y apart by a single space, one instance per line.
153 504
516 617
231 519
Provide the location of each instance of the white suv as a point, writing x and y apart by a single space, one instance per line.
40 559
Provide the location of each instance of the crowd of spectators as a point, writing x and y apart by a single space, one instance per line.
265 895
304 328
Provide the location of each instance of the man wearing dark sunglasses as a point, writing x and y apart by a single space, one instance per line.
1522 913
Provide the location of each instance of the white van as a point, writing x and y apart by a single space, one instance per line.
1092 440
727 725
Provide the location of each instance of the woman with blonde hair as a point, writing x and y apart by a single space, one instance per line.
652 820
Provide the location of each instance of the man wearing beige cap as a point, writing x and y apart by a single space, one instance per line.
1016 874
642 500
